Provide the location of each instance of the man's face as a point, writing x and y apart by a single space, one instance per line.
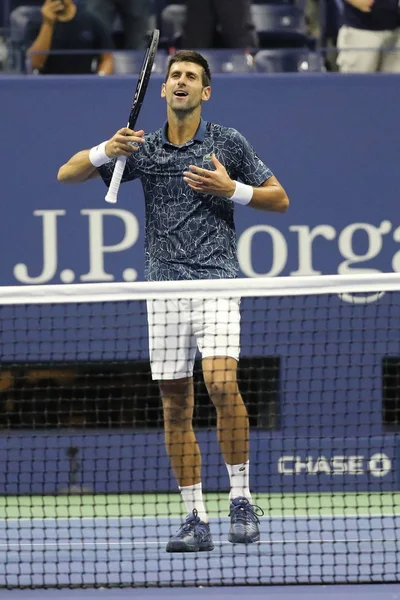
183 90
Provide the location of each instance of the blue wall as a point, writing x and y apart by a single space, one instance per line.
331 140
137 462
333 143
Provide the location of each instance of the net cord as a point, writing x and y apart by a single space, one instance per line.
201 288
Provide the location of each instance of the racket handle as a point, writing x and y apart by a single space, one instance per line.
119 167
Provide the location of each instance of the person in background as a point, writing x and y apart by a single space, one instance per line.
66 27
231 17
134 15
369 39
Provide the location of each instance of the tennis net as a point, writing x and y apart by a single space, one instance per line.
88 497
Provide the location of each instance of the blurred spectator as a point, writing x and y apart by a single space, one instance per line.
64 26
369 39
232 18
134 16
3 53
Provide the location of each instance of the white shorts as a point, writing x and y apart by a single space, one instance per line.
178 327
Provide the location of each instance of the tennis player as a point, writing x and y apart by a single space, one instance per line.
193 173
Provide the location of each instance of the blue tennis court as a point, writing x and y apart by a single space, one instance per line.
342 592
131 551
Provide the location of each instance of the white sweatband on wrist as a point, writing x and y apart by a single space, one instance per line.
98 156
243 193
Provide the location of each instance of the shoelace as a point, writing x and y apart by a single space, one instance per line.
246 511
190 522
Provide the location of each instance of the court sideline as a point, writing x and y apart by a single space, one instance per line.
335 592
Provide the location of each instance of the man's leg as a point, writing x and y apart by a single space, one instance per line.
216 325
180 440
391 54
184 454
233 434
172 354
217 328
235 19
104 10
220 377
200 24
359 50
135 21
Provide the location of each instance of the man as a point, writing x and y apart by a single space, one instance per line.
190 235
369 39
65 27
134 16
232 19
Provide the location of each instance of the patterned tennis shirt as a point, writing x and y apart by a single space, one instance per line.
189 235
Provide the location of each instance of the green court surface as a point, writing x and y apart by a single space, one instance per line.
162 505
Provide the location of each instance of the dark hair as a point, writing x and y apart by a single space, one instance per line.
193 57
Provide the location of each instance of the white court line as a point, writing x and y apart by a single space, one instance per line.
96 544
183 516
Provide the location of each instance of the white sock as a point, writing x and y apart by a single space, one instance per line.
239 479
192 495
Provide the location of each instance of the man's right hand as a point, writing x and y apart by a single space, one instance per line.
124 142
50 10
363 5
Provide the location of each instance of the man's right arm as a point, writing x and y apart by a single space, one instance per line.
79 168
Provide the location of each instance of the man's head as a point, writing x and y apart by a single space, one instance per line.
187 82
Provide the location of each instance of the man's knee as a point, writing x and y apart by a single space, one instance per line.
175 388
222 388
177 398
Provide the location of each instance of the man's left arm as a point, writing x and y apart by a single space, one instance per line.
270 196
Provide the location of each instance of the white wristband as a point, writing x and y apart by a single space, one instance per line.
243 193
98 156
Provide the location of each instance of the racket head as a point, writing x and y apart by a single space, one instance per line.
144 78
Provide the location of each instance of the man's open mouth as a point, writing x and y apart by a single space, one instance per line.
180 93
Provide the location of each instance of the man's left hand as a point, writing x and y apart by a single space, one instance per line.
215 183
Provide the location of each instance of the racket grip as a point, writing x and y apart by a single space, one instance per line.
119 167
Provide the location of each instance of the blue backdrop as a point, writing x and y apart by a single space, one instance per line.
331 140
333 143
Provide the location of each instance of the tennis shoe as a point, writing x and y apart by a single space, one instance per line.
244 527
193 536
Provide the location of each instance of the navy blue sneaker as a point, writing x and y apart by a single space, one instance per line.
193 536
244 521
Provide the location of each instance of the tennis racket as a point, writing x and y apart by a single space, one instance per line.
138 98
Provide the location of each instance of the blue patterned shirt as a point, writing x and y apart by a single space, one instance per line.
189 235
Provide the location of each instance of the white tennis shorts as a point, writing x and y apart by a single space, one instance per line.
178 327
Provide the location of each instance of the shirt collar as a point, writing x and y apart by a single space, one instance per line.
198 136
